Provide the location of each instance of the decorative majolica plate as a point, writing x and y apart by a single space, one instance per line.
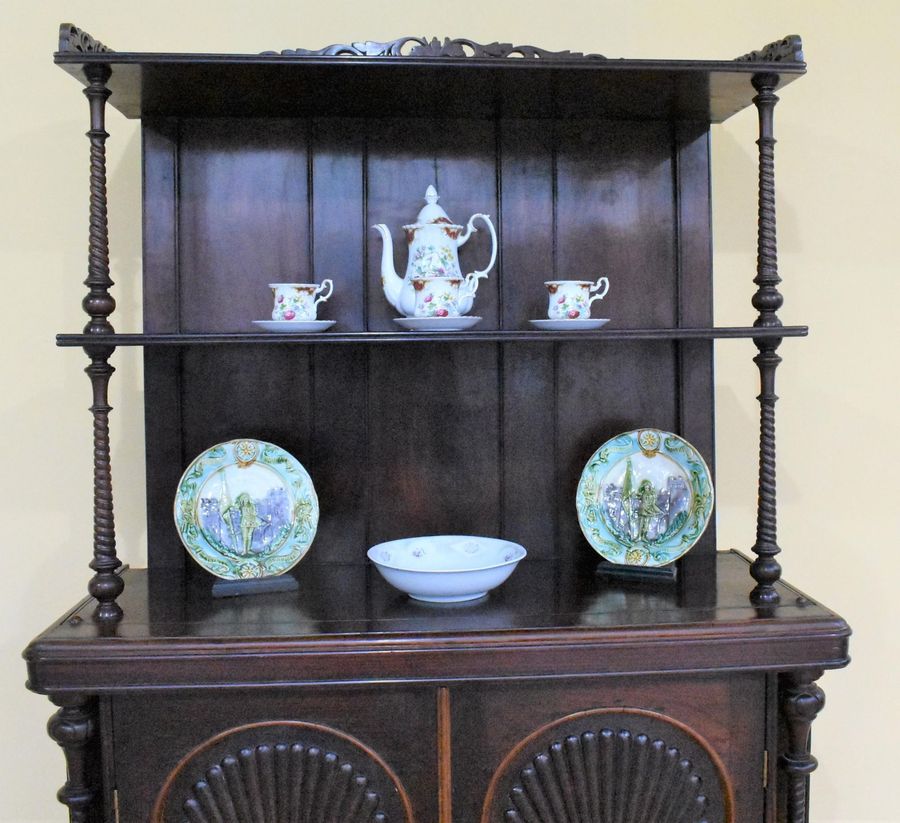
644 498
246 509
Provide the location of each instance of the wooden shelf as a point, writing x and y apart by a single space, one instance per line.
146 84
495 336
544 621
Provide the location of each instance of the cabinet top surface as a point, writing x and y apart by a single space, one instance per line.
413 77
571 622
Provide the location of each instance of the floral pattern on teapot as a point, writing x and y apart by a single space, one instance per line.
437 296
434 261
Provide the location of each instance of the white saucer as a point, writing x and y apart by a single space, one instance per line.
437 323
294 326
578 324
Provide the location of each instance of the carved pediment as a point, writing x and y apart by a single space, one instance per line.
423 47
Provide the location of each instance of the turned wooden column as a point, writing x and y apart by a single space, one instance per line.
801 701
765 569
106 585
74 728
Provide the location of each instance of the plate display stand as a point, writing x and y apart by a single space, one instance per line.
342 696
237 588
625 572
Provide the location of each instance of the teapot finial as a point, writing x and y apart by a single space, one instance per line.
431 195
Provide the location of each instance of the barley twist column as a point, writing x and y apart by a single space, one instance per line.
767 301
106 585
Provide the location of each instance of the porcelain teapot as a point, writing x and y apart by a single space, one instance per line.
433 240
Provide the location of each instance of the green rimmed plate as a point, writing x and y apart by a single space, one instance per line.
644 498
246 509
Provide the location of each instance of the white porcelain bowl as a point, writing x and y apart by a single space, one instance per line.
446 568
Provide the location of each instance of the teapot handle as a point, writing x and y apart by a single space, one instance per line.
470 228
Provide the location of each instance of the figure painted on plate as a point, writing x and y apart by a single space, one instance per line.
647 508
249 519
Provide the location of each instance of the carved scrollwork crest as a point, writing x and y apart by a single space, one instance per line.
74 39
787 50
423 47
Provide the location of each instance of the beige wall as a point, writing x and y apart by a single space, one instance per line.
837 173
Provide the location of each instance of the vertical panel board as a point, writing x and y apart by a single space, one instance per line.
615 217
244 220
247 391
466 180
162 401
164 456
695 308
339 422
526 228
529 488
433 429
400 166
526 231
339 231
160 228
338 454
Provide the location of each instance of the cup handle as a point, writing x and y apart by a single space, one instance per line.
484 272
596 286
325 284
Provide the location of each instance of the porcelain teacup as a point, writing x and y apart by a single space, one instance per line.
298 301
441 296
571 300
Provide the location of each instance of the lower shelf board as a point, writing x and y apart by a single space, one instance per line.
345 624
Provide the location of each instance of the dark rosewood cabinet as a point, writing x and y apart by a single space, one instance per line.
572 694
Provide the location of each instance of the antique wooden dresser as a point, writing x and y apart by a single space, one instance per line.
571 693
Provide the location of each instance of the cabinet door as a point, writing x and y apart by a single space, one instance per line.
635 750
349 755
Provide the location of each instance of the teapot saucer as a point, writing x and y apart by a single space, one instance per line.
294 326
578 324
460 323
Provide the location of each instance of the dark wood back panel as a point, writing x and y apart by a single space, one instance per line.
427 438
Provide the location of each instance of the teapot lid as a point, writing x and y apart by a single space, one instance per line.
431 212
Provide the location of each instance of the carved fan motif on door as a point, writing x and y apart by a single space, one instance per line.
610 766
282 772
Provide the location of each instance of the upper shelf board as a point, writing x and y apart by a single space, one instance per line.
416 77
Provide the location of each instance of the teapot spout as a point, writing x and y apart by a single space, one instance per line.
390 281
